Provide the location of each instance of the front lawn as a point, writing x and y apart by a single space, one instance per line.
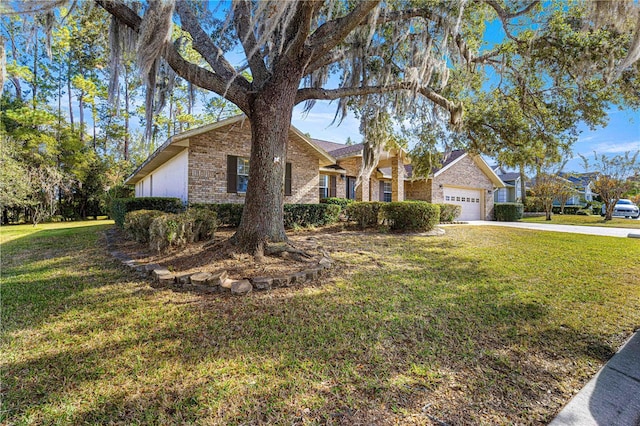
481 326
572 219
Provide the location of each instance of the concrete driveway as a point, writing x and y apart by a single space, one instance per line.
575 229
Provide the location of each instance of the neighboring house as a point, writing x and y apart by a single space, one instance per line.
210 164
582 183
512 191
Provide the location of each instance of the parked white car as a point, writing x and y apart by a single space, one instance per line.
624 208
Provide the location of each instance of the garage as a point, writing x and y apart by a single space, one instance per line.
469 199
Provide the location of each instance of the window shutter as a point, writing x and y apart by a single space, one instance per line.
332 186
381 195
232 173
287 179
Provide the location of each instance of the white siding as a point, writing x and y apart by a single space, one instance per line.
168 180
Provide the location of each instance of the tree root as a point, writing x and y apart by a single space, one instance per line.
279 249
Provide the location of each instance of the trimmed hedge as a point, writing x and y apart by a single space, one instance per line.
449 212
295 215
121 206
411 215
228 214
508 212
137 223
365 213
177 230
305 215
342 202
567 209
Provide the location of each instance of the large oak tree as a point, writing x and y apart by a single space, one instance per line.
425 58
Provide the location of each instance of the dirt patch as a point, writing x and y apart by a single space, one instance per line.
217 255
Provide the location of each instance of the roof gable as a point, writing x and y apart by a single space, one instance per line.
178 142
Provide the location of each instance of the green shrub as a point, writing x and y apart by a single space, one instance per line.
508 212
596 207
365 213
342 202
305 215
121 206
411 215
449 212
179 229
533 205
228 214
137 223
584 212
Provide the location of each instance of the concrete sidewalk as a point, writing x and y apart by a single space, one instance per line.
574 229
612 397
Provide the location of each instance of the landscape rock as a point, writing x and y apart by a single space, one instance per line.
241 287
156 273
225 287
325 262
201 278
218 278
150 267
299 277
312 274
262 283
281 281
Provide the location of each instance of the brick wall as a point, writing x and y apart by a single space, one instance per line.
208 166
418 190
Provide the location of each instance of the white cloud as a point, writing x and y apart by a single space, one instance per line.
613 147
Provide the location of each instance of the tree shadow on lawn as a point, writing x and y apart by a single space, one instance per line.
379 347
268 359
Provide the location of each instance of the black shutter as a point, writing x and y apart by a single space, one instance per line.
332 186
381 196
287 179
232 173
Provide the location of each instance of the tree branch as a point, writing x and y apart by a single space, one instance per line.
195 74
242 21
506 16
203 44
302 19
455 111
331 33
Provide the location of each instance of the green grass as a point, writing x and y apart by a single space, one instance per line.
594 220
481 326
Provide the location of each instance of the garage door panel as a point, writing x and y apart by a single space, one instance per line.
469 200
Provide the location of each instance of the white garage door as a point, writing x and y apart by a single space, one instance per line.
469 199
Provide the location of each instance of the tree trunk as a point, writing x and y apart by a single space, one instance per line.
263 215
69 93
81 114
523 185
126 114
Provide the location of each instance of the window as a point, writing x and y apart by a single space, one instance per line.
238 175
351 187
386 191
323 186
242 173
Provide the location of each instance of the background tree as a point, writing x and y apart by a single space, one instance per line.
613 177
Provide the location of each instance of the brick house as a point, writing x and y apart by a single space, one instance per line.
210 165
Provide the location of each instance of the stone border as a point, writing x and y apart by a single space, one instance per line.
208 283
